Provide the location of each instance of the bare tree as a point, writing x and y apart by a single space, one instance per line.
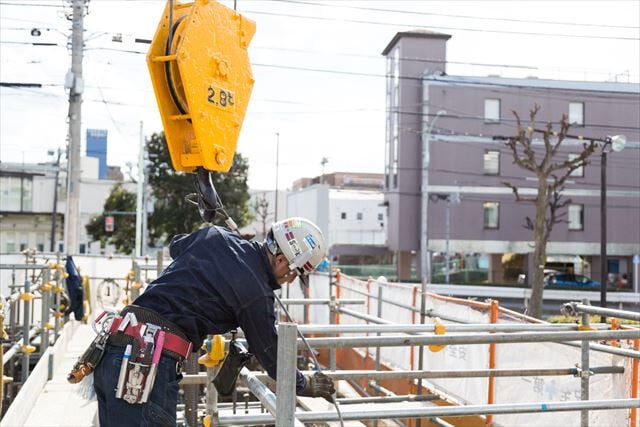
551 175
261 207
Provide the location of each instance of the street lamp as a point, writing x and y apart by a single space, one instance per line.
617 144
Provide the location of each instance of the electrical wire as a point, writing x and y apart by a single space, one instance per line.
439 27
411 12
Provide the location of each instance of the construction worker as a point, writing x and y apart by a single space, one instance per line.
216 282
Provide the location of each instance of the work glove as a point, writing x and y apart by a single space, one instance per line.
319 385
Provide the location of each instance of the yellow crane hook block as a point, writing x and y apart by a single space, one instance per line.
202 80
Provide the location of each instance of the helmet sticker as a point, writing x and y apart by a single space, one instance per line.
307 266
294 247
309 239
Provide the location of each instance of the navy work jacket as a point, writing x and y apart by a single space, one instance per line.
218 282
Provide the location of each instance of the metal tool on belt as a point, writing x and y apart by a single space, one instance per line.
92 356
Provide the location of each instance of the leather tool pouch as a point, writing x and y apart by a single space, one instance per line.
236 359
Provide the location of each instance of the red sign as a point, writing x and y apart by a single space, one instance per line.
108 224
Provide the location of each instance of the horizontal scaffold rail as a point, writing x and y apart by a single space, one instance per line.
379 411
417 328
460 373
466 339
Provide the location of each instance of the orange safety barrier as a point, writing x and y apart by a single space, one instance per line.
493 314
369 280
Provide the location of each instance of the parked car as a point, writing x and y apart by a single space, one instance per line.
570 280
522 278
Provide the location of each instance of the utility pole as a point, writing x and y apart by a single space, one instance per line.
277 164
75 84
54 215
140 198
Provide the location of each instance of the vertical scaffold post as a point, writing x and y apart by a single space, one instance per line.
332 321
26 326
379 314
191 392
633 415
414 299
56 299
44 324
584 369
159 260
137 281
286 384
493 317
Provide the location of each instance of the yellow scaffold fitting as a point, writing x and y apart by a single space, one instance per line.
136 285
47 287
57 314
65 275
27 348
214 352
48 326
585 328
58 289
440 329
203 84
27 296
206 421
130 275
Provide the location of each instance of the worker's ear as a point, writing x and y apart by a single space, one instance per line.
281 260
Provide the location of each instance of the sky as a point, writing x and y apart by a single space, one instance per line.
318 69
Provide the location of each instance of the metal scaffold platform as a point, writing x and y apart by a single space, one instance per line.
469 363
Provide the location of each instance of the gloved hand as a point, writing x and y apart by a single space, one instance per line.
319 385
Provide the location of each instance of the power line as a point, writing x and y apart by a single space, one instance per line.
411 12
414 26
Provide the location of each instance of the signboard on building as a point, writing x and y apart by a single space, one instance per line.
108 224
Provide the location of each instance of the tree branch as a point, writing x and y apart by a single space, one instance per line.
517 194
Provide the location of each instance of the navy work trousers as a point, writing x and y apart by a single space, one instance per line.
159 410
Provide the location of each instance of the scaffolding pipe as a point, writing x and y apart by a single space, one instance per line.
389 399
375 412
466 339
469 373
26 329
13 351
430 328
573 308
322 301
584 373
286 375
259 390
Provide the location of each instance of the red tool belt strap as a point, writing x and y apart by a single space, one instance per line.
172 342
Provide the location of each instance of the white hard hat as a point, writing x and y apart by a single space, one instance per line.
301 242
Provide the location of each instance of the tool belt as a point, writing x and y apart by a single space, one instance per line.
176 344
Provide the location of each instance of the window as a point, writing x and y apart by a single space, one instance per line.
83 248
380 217
359 216
576 217
343 215
491 162
15 193
491 214
576 113
579 171
491 110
